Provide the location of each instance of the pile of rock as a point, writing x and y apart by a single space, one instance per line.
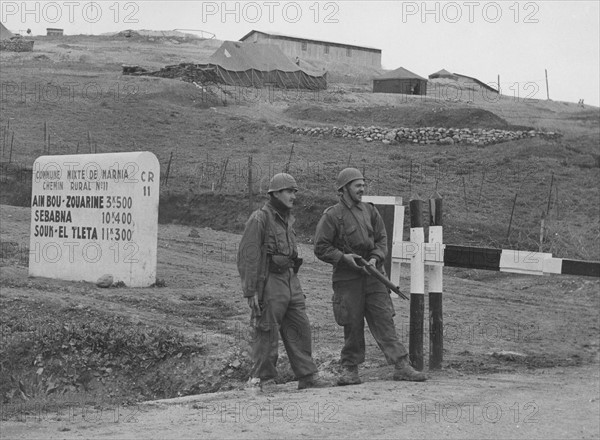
184 71
16 45
423 135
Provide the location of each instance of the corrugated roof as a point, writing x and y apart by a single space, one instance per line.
443 72
294 38
481 83
400 73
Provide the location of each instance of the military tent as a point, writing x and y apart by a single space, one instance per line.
5 34
402 81
258 65
443 74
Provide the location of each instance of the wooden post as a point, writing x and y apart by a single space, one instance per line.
512 212
547 89
417 285
5 137
545 215
542 230
168 168
250 195
550 194
481 188
223 174
12 138
410 178
287 165
436 320
465 196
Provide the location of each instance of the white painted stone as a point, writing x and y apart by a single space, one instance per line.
95 214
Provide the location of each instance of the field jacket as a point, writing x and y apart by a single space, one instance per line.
267 234
360 227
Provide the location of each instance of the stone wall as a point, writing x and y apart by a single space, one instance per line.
17 45
423 135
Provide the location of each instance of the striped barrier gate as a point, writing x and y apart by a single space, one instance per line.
434 255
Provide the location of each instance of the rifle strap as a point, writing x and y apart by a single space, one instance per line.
343 229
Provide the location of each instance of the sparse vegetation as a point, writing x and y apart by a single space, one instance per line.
62 350
139 346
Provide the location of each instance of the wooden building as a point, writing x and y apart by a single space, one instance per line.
402 81
54 32
303 48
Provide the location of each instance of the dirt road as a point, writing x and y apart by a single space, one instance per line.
550 403
549 389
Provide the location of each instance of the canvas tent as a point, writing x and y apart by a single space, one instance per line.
257 65
5 34
402 81
13 43
443 74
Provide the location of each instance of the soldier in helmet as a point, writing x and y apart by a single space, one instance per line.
268 264
346 231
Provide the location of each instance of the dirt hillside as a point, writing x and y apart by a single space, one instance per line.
521 353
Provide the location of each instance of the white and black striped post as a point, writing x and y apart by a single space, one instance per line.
435 284
417 285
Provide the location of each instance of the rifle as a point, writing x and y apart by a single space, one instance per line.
372 271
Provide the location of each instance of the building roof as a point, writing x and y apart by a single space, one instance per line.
308 40
441 73
481 83
399 73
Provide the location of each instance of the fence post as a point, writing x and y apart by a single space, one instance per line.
250 195
436 320
417 285
168 169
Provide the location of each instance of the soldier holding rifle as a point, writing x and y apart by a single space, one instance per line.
268 264
349 233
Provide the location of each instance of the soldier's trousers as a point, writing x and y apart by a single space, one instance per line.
283 314
365 298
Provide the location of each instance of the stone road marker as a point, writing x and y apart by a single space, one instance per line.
95 214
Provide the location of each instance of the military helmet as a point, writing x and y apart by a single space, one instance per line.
282 181
346 176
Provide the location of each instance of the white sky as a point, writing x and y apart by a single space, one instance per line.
517 40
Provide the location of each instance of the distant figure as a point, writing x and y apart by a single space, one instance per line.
28 31
580 102
297 61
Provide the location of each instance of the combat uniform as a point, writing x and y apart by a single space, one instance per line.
267 263
356 295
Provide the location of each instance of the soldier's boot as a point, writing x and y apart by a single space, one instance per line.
312 381
349 376
256 384
404 371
